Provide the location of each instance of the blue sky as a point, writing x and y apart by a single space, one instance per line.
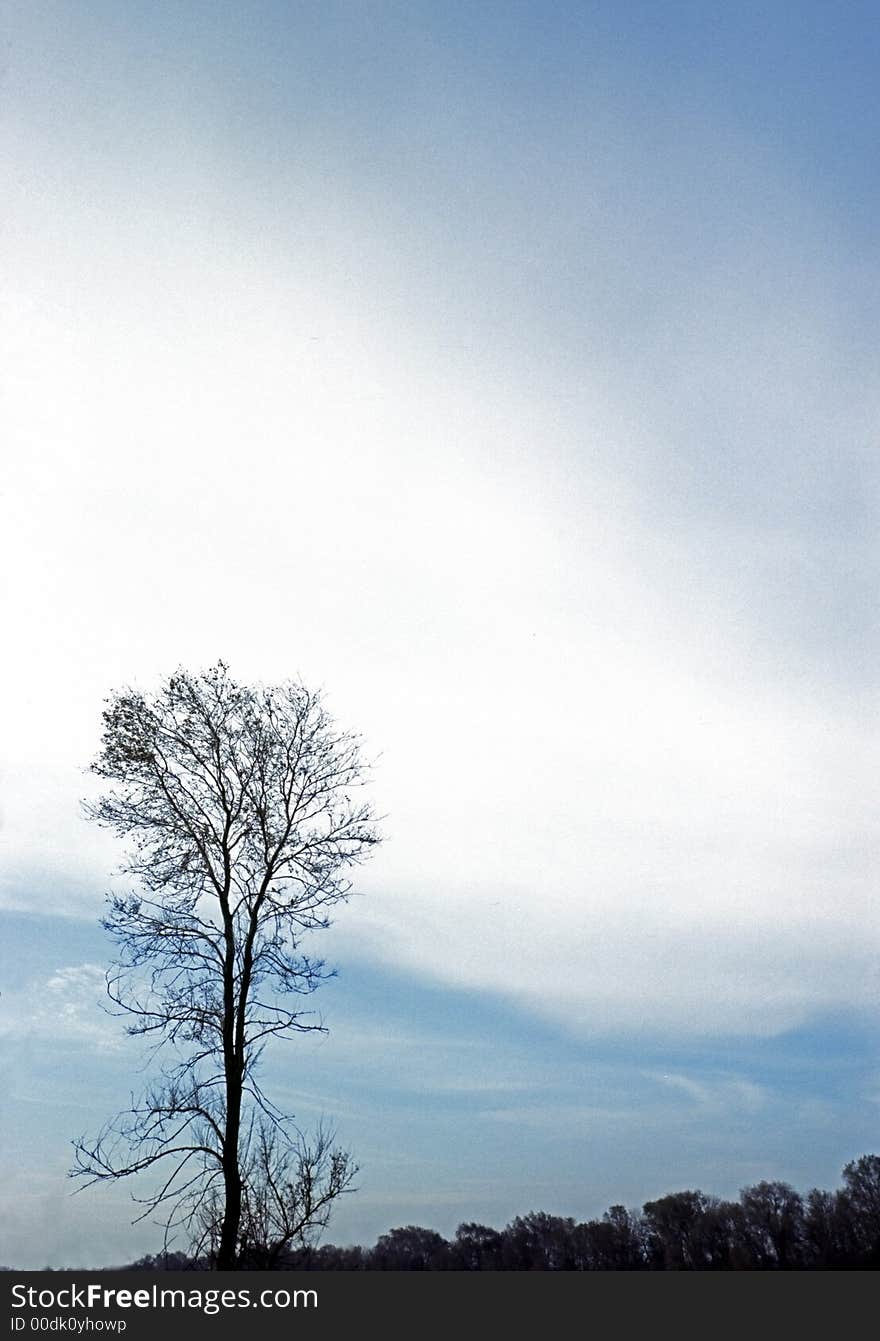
510 370
455 1105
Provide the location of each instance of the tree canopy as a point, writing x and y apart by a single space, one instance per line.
244 810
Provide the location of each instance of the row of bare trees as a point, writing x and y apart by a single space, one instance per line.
770 1227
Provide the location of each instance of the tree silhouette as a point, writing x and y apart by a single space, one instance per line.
861 1195
242 807
774 1224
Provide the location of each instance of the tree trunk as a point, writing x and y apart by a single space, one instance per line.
227 1253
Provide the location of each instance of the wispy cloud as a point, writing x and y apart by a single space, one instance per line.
573 1119
64 1008
719 1093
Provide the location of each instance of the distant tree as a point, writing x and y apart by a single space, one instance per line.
540 1242
166 1262
861 1195
411 1248
721 1235
829 1238
477 1248
614 1243
773 1224
242 807
330 1258
676 1228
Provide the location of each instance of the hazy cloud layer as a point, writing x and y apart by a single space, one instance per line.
542 438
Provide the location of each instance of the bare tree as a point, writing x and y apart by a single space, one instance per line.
289 1189
243 805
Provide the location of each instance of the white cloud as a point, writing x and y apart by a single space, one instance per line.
614 796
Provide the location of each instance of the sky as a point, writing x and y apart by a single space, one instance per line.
509 371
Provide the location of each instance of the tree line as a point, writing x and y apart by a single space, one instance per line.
770 1227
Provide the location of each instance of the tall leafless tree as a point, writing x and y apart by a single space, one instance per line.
244 808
